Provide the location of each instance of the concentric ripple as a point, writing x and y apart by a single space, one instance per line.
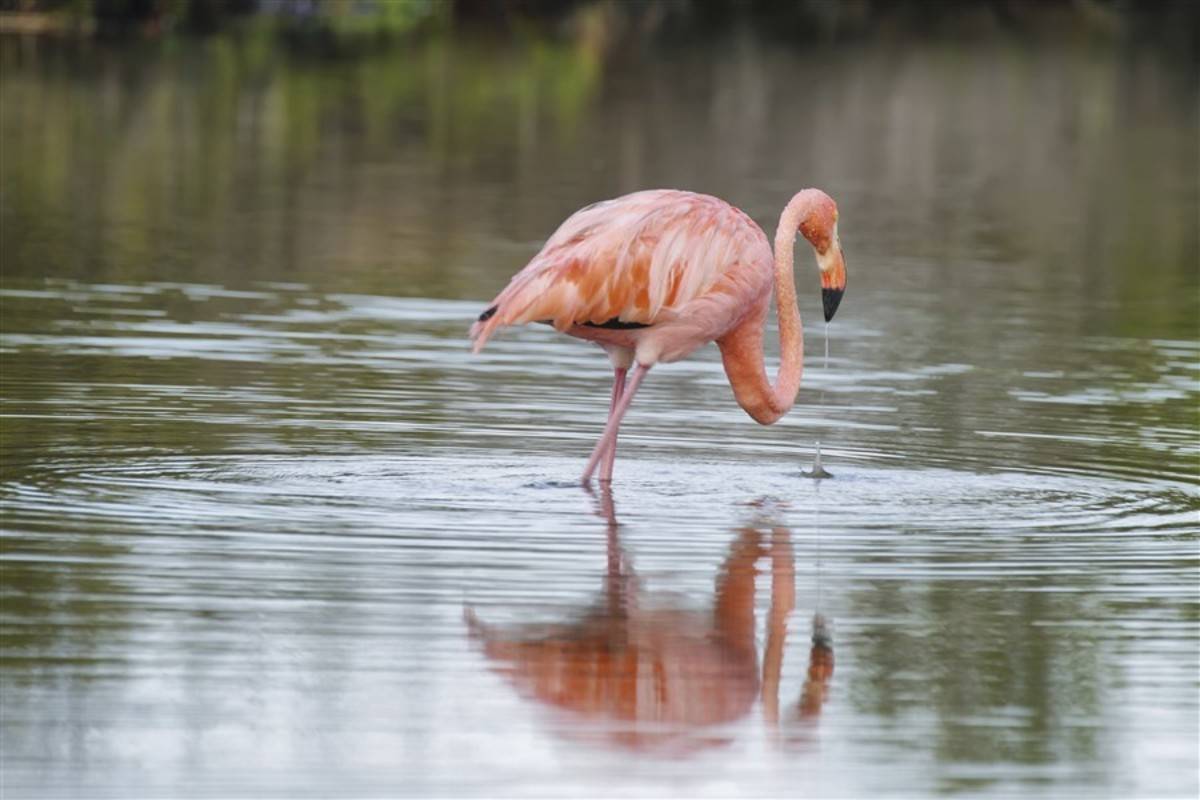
242 527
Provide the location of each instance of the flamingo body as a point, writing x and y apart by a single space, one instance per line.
658 273
653 275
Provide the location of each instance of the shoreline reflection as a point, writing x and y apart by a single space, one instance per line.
651 674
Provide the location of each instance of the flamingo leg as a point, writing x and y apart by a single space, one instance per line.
609 438
610 455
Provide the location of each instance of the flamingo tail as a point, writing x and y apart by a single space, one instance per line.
483 328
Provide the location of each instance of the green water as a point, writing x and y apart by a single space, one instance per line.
253 480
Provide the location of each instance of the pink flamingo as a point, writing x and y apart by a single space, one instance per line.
654 275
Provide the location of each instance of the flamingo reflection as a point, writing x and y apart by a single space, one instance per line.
658 675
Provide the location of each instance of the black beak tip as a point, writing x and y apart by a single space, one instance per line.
830 298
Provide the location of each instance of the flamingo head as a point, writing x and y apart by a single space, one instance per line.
819 227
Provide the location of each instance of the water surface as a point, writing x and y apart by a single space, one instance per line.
270 529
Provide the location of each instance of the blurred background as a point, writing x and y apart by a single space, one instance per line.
269 529
395 145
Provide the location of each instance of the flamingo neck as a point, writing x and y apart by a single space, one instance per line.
741 348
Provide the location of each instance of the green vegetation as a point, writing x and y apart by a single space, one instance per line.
347 25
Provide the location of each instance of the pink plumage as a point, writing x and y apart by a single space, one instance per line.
653 275
636 259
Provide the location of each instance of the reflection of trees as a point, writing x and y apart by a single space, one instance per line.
64 622
437 166
660 674
996 681
229 159
65 613
1000 197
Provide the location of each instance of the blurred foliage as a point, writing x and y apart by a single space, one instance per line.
435 167
227 136
344 25
333 21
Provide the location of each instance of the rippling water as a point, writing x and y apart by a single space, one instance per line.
269 528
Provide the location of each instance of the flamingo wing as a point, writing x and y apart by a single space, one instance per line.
627 262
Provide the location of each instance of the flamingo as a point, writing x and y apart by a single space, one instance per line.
654 275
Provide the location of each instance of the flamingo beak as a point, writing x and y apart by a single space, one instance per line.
833 283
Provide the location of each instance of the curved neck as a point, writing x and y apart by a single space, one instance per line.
741 348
